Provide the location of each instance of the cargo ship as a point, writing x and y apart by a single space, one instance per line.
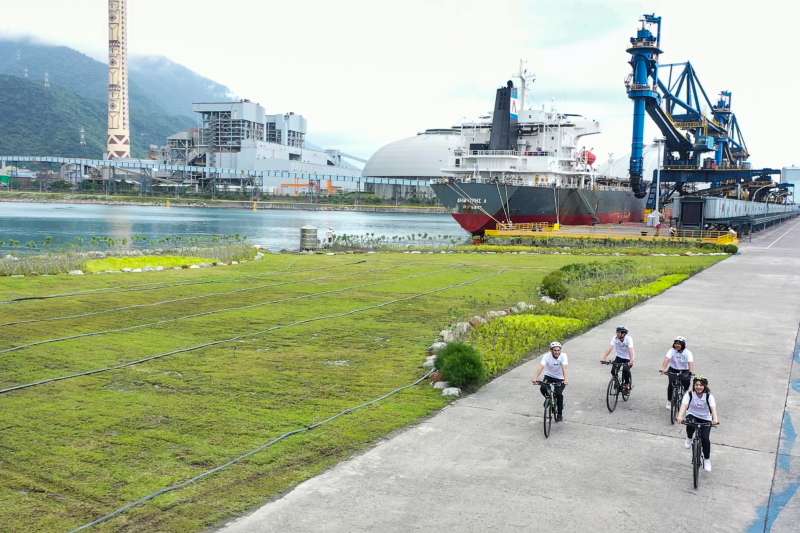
525 165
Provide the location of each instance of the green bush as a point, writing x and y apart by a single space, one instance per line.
553 286
658 286
582 280
730 248
505 341
461 365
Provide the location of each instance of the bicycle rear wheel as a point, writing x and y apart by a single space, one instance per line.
548 417
696 451
612 395
626 393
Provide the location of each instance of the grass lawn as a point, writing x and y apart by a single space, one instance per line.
74 450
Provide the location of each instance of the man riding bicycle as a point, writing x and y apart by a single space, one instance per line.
622 344
554 366
699 406
680 361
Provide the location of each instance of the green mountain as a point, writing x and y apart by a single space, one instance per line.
39 121
161 93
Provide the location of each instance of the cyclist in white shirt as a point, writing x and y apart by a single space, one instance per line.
680 362
622 344
699 406
554 365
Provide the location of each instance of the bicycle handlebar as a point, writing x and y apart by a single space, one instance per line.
699 424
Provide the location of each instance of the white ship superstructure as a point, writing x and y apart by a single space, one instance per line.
547 150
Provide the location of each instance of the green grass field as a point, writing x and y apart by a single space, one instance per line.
76 449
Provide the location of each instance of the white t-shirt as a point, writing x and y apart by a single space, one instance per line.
554 367
622 348
679 360
698 406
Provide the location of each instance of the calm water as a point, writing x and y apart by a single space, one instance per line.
276 230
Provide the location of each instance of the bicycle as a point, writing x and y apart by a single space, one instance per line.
676 395
698 459
615 386
549 406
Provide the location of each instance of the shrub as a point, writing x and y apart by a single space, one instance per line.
461 365
553 286
730 248
658 286
505 341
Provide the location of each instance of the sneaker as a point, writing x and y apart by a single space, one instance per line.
707 465
669 405
687 443
559 417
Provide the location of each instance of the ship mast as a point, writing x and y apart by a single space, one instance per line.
526 80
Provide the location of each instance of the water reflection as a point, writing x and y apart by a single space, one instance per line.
276 230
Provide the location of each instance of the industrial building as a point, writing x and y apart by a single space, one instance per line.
241 135
416 160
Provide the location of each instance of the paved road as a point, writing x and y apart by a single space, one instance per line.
483 463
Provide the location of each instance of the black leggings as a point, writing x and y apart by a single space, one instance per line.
684 375
626 370
558 392
705 434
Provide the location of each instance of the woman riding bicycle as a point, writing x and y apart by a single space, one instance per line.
554 366
699 406
622 344
680 361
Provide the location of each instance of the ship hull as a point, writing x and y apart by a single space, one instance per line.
480 206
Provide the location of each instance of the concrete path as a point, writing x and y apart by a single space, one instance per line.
482 464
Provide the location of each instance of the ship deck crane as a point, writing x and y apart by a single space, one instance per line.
675 100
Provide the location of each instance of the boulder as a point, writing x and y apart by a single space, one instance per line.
429 362
437 347
194 266
76 272
451 391
461 330
441 385
447 336
477 321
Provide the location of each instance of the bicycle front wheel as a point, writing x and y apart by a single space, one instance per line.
612 395
673 408
696 451
548 418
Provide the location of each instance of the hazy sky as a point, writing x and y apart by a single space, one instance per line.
365 73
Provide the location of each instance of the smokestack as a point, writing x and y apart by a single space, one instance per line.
504 119
119 135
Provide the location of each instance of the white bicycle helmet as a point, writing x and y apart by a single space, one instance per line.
680 339
555 344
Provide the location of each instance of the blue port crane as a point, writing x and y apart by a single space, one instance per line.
692 126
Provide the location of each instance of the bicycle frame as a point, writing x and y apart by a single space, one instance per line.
676 394
698 459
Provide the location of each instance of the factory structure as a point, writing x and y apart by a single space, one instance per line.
240 135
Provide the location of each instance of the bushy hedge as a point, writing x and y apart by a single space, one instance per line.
506 340
461 365
730 249
591 279
658 286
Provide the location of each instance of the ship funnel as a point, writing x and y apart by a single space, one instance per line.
504 119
